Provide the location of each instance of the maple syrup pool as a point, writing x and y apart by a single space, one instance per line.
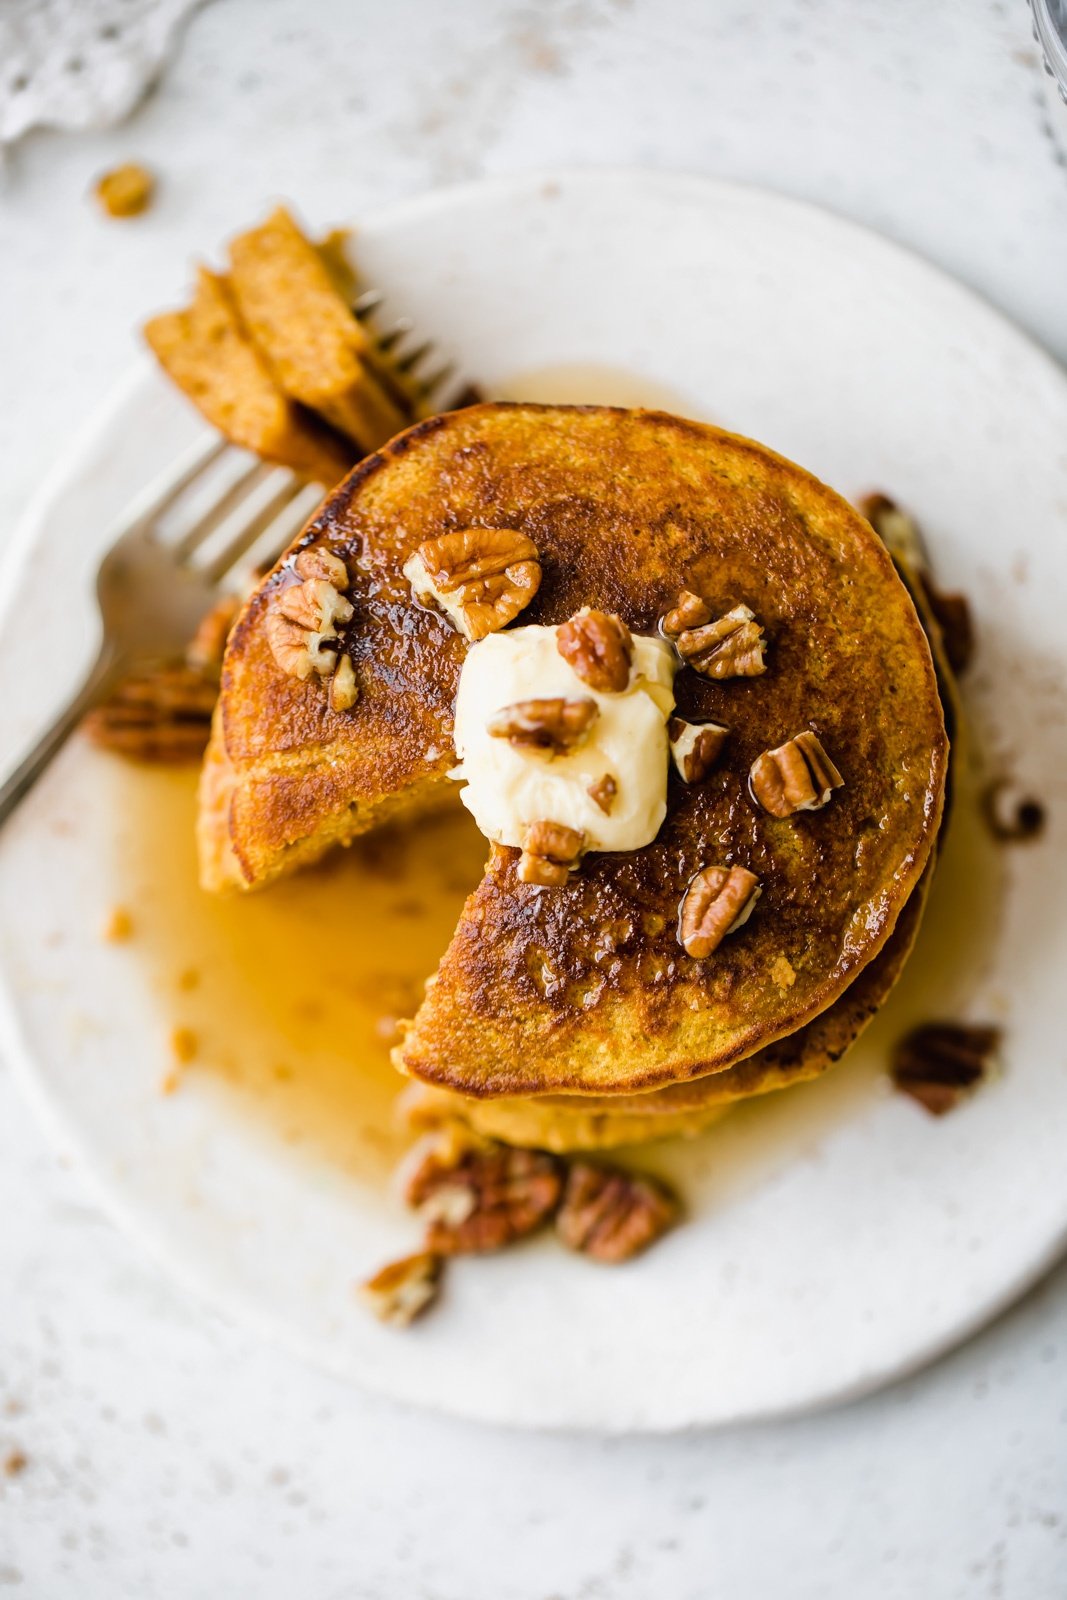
290 996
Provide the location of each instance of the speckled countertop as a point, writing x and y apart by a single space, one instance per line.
167 1454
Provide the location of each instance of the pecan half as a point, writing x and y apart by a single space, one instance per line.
301 624
550 853
554 725
689 612
900 534
612 1215
695 747
717 902
599 648
731 647
403 1289
603 792
162 716
939 1063
797 776
481 578
480 1195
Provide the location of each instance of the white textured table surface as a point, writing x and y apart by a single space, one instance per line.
167 1454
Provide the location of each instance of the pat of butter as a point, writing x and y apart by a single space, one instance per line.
508 787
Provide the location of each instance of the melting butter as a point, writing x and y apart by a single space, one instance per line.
508 786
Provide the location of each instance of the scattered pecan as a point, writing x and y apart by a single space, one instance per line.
1018 821
403 1289
897 531
717 902
938 1063
731 647
481 578
797 776
162 716
555 725
603 792
478 1195
695 747
952 613
550 854
302 620
612 1215
126 191
690 612
900 534
208 644
599 648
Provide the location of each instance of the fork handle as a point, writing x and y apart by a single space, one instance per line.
102 676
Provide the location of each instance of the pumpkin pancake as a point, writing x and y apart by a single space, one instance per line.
599 1122
584 987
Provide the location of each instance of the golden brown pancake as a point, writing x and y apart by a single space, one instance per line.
584 988
599 1122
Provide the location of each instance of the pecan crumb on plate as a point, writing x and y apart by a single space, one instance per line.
1010 820
402 1290
612 1215
940 1062
126 191
478 1196
119 926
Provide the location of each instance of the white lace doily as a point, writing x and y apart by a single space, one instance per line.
80 63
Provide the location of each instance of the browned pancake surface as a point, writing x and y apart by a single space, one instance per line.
585 987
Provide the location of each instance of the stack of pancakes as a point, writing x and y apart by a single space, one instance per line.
571 1017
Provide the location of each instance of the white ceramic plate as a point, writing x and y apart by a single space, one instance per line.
838 1236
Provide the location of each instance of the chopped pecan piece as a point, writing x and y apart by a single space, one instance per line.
695 747
317 562
550 854
900 534
731 647
612 1215
162 716
555 725
599 648
798 776
480 1195
301 623
938 1064
717 902
603 792
481 578
403 1289
690 612
344 690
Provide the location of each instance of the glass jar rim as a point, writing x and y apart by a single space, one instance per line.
1052 37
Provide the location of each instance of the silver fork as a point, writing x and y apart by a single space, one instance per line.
152 591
